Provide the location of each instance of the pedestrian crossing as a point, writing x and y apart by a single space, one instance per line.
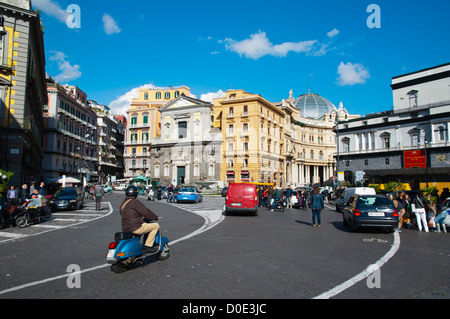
58 220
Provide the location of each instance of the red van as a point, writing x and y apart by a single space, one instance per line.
242 197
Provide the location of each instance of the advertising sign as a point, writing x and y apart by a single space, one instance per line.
416 158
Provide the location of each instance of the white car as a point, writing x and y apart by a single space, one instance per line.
349 192
121 187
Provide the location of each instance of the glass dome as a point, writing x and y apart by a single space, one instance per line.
313 106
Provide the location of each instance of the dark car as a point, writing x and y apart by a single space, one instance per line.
66 198
370 211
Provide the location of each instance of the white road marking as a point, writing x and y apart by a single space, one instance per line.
212 218
364 274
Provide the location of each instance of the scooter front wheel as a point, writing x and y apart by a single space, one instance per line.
164 253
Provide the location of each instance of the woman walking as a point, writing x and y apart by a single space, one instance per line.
316 205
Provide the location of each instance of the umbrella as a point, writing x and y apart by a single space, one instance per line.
65 179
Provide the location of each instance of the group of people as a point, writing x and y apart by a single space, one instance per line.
423 208
315 198
18 196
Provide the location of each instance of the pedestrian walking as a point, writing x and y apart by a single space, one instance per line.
99 193
317 205
418 207
398 203
289 193
170 197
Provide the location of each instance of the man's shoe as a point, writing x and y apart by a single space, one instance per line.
149 250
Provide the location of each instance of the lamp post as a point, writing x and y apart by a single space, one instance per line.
336 121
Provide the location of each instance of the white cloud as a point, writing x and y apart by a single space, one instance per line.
68 72
351 74
110 25
333 33
51 8
120 105
258 45
208 97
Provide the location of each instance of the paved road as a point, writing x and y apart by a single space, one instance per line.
274 255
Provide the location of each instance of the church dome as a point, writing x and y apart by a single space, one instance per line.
313 106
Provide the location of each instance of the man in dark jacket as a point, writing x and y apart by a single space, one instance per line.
132 211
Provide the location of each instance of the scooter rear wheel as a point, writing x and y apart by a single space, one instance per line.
23 221
118 268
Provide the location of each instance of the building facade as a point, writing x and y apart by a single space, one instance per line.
253 137
291 142
23 92
188 152
108 144
409 143
70 134
144 125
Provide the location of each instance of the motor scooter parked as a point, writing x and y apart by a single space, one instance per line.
20 215
127 250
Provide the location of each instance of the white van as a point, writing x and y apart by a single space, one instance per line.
349 192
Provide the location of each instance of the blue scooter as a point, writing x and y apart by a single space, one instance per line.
127 250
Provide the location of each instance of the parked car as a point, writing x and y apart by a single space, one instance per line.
370 211
66 198
241 197
121 187
349 192
189 195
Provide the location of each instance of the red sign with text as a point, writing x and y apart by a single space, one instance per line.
416 158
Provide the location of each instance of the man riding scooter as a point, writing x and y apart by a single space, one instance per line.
132 211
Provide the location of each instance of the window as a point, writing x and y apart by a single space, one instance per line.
182 129
412 98
144 163
156 170
145 96
177 94
415 137
346 144
231 128
166 170
196 170
211 170
167 95
245 127
145 119
134 120
386 138
158 95
441 133
145 137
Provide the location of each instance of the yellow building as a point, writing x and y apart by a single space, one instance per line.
253 137
144 124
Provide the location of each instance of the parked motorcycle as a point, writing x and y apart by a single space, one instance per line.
127 250
20 215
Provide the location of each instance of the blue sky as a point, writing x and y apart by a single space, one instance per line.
264 47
